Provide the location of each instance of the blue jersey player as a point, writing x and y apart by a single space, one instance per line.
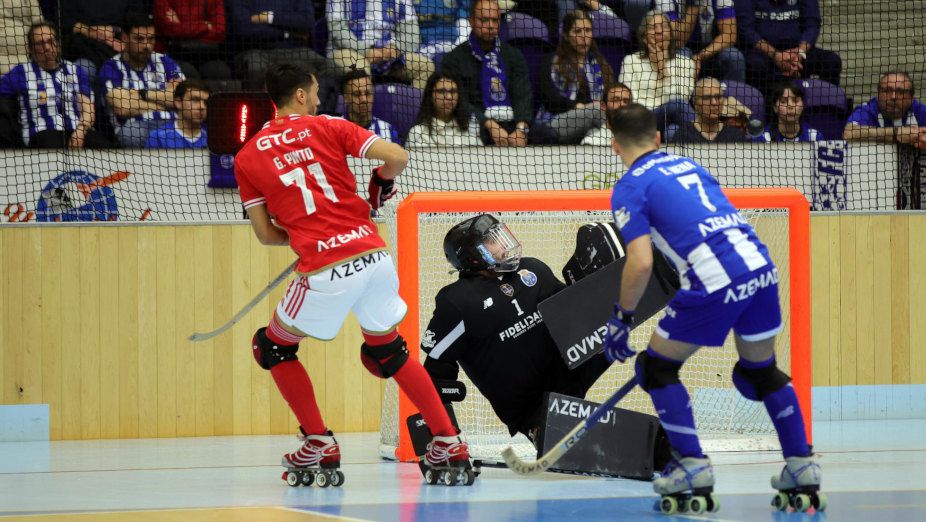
727 281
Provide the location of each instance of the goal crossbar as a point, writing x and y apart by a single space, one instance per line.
407 229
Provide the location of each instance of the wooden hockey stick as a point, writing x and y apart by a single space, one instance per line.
566 443
196 337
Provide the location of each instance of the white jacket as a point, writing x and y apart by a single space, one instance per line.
638 74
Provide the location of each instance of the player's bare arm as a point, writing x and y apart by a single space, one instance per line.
636 272
267 233
393 156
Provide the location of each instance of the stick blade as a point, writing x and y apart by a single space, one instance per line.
519 466
197 337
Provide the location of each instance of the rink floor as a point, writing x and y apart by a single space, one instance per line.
873 470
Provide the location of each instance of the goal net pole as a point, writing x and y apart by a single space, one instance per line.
407 232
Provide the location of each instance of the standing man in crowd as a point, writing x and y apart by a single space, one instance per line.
188 130
298 191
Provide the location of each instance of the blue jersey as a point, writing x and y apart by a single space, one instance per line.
869 114
680 204
48 100
170 137
160 70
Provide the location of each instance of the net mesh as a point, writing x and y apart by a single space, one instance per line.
724 418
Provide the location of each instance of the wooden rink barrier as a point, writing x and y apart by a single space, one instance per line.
94 320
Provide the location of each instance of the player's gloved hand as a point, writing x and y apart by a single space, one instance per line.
615 343
381 189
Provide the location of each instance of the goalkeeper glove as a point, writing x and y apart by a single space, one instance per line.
381 189
615 343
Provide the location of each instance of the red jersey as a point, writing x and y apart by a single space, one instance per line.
297 166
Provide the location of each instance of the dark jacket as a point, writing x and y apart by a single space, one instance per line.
462 64
293 22
687 133
782 24
551 98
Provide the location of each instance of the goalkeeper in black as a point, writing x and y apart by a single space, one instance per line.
487 323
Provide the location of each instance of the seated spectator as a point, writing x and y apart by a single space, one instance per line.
893 116
15 19
139 84
443 121
632 11
572 81
708 125
188 130
616 96
357 88
194 32
383 41
706 31
787 104
91 30
659 79
494 82
273 31
55 97
443 25
779 41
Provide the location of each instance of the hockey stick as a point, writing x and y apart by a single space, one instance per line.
196 337
566 443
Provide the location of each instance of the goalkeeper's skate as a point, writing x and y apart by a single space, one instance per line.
316 461
447 462
798 485
686 484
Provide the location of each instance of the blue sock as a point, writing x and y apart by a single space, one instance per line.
673 405
785 412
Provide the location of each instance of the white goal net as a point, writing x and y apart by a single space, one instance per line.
724 418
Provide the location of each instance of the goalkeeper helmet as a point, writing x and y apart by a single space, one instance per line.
482 243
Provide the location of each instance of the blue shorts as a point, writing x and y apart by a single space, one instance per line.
749 305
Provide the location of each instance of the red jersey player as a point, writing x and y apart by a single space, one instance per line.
297 189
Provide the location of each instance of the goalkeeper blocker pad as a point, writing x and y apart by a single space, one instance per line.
576 316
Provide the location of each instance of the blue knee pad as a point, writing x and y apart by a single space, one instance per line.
757 383
656 372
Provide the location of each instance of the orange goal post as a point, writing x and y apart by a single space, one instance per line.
780 214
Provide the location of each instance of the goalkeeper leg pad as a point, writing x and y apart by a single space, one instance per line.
385 360
654 371
269 354
757 383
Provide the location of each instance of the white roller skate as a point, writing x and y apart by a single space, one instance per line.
316 461
798 485
447 462
686 484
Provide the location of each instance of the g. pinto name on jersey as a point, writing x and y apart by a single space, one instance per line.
521 326
343 239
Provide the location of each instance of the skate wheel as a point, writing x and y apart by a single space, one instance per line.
430 477
450 478
801 502
713 504
819 501
291 478
470 477
697 505
322 481
668 505
780 502
337 479
307 479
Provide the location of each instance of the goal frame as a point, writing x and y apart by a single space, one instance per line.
579 200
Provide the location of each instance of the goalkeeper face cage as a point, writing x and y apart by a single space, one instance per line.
500 249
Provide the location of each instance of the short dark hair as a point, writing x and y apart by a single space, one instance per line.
282 80
632 125
37 25
133 21
610 87
191 84
353 74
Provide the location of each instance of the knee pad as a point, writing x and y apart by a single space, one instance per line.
656 372
267 353
756 383
385 360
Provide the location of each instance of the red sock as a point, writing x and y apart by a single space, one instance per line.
294 384
416 383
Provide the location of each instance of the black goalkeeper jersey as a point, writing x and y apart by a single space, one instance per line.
491 327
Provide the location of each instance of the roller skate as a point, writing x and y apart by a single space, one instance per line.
798 485
447 462
686 485
316 461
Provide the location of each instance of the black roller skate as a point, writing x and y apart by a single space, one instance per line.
798 485
317 461
447 462
686 485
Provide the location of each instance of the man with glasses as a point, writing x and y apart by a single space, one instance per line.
54 95
708 125
893 116
616 96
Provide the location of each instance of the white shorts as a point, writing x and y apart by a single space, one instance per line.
317 304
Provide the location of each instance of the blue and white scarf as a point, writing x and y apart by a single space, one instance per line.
494 79
391 15
592 71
